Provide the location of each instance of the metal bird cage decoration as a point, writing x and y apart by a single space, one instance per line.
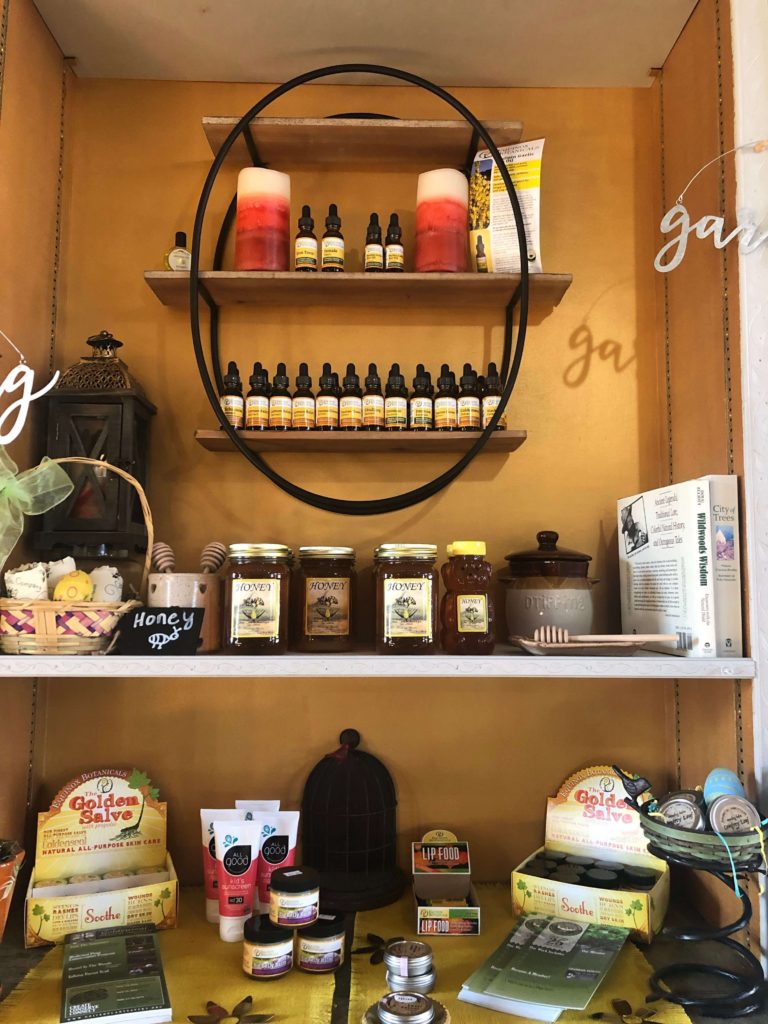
349 815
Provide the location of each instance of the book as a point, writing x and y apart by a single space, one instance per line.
679 566
114 975
545 965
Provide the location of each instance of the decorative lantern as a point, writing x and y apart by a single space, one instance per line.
349 816
98 409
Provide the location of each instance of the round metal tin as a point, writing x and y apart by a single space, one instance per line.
682 813
733 814
408 958
406 1008
423 984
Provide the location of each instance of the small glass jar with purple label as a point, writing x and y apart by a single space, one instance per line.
267 949
294 897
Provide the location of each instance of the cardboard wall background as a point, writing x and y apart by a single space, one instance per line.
29 163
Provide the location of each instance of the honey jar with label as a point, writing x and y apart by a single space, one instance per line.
323 599
256 588
406 598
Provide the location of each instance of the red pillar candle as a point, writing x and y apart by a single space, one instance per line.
442 201
262 239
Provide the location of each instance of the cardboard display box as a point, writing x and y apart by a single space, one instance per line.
589 818
445 898
101 859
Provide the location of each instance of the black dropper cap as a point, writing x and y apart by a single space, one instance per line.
280 380
468 377
306 223
479 246
394 231
420 381
373 235
303 380
326 378
258 375
396 379
181 239
232 376
446 379
333 220
351 380
492 378
336 388
373 380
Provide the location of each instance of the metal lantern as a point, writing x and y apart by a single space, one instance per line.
98 409
349 816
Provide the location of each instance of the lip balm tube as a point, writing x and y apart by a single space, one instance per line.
262 228
237 858
207 818
277 850
442 218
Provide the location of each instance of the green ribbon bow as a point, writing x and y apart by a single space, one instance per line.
29 493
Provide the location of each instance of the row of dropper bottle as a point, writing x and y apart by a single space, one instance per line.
387 256
469 405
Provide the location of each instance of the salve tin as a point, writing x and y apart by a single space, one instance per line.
294 897
406 1008
680 812
321 945
423 984
267 949
733 814
408 958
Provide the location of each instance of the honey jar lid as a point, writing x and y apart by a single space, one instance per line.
548 559
275 551
405 551
466 547
321 551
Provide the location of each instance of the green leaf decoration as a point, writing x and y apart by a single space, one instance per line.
157 903
165 894
154 793
628 911
636 905
46 917
138 779
522 885
37 910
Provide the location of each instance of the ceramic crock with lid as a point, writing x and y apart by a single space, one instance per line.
548 586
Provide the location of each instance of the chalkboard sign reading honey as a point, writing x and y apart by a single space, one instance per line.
173 631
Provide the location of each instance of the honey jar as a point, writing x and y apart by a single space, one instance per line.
323 599
256 588
406 598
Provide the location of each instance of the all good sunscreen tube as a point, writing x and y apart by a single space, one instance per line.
277 850
207 818
237 858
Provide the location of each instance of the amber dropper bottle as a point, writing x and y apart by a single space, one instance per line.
396 401
373 400
303 406
468 405
280 401
492 397
332 248
420 405
351 402
231 398
445 400
374 250
305 248
257 400
394 254
327 401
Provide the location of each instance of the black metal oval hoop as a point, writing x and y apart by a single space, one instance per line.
510 362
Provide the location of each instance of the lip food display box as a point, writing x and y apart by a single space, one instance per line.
589 818
101 859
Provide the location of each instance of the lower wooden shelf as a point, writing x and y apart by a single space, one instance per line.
417 441
505 663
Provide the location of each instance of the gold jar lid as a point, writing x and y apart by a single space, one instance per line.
320 551
405 551
274 551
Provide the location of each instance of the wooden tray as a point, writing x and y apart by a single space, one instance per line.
607 649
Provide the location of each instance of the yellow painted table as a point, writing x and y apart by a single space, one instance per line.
200 967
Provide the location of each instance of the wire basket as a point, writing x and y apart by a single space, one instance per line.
703 849
71 627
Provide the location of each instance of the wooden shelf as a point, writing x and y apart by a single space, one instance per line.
365 664
348 442
284 142
288 288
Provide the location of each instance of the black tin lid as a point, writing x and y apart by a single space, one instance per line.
600 879
580 862
294 879
326 926
259 929
548 559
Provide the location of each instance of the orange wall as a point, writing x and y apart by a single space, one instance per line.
138 159
29 161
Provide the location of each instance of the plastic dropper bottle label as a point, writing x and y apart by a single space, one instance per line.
421 412
232 406
374 256
373 410
256 412
395 412
468 411
445 413
395 256
279 411
303 414
306 253
490 405
333 253
327 414
351 411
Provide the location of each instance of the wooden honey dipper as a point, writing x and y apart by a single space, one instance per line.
557 635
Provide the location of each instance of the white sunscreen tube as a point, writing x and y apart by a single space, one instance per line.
207 818
237 858
277 850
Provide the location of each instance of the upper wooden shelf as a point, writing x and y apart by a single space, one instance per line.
288 288
430 442
354 142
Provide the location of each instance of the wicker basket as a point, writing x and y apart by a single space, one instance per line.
71 627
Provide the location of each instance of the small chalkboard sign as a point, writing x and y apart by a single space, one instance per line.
160 631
